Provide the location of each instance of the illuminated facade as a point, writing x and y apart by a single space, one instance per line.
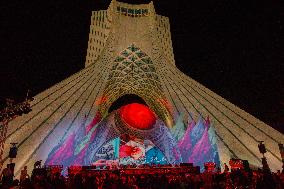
130 52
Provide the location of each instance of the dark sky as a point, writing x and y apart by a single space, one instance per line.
232 47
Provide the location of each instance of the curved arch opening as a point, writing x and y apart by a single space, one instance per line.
124 100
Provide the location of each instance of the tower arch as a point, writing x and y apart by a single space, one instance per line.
133 73
124 100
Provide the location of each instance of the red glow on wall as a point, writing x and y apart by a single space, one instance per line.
101 100
166 104
138 116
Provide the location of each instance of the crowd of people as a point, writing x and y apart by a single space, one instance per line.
112 179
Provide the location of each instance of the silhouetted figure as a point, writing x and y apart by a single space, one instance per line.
24 174
226 168
26 184
58 181
37 164
7 176
78 181
15 184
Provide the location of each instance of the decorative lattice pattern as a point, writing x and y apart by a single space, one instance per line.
133 72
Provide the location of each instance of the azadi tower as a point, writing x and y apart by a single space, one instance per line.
130 52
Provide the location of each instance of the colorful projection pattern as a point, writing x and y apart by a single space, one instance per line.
131 141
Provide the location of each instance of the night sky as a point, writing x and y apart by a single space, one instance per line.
232 47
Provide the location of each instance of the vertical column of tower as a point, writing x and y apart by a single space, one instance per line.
106 57
111 10
161 63
101 22
152 14
164 35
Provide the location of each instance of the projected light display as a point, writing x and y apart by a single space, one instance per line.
138 116
133 134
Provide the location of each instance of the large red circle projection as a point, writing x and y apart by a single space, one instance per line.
138 116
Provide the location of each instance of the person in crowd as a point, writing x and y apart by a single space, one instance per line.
163 178
226 168
37 164
7 176
24 174
15 184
